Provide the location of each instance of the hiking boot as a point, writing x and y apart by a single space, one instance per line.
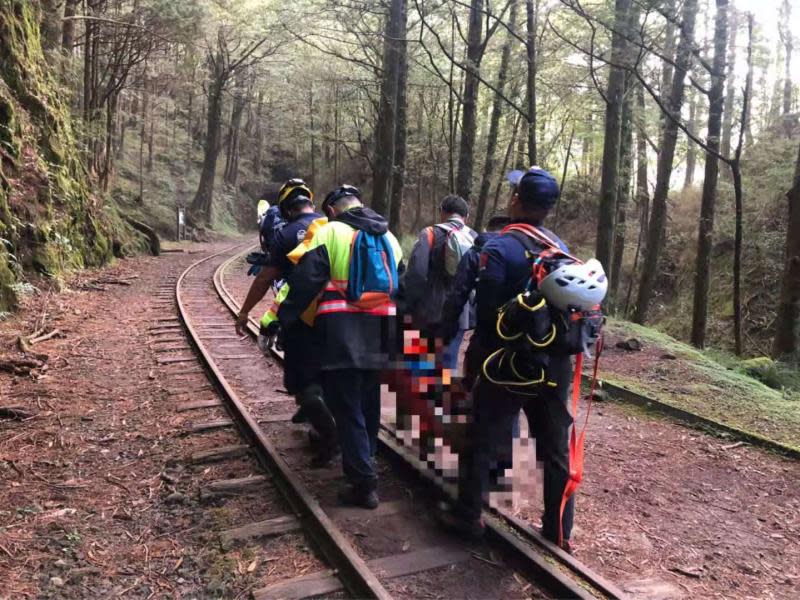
323 458
350 497
299 417
566 545
456 523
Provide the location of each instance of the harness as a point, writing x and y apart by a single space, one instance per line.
550 250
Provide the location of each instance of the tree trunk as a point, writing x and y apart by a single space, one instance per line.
257 134
151 138
669 137
609 182
68 27
564 176
738 193
87 69
50 26
531 8
469 107
387 109
312 136
705 234
507 159
494 121
642 187
691 147
623 190
400 134
666 65
788 319
232 159
202 203
788 48
451 118
730 93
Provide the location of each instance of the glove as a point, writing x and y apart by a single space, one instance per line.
257 258
254 270
272 336
263 344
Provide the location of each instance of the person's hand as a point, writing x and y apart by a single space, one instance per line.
241 324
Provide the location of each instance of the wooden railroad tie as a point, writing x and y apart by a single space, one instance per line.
220 453
167 360
389 567
183 407
208 426
269 527
234 486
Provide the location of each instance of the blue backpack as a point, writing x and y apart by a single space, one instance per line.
373 272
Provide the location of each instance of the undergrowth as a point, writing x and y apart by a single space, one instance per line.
716 385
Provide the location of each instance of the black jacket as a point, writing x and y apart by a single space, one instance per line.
462 287
345 340
425 284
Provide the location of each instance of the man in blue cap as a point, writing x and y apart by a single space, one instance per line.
505 268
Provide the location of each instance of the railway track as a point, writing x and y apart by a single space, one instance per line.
396 550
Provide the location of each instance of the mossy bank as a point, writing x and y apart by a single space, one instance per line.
49 219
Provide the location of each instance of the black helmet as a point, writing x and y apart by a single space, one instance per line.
339 193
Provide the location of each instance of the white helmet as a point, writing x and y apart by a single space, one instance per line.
575 285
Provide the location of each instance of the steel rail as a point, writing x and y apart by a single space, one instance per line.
356 576
512 536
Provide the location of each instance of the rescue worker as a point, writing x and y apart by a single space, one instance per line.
301 373
354 337
461 291
427 279
505 268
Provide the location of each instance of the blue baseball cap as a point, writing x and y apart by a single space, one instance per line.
535 187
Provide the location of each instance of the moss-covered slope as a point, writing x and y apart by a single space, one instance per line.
49 219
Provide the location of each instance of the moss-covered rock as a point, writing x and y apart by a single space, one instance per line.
764 369
50 221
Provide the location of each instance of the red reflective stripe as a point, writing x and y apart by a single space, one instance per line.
334 306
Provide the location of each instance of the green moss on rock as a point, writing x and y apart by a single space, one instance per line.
49 217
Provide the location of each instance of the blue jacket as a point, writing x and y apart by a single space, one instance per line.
504 272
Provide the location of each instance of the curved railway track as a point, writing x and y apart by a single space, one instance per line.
394 551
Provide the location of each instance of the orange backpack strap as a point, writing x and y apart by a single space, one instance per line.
430 234
576 440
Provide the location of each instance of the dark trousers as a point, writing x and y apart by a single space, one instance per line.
495 411
354 397
302 377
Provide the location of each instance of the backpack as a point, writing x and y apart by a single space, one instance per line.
576 331
372 279
271 223
458 239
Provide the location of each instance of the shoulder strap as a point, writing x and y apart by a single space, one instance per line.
431 236
523 230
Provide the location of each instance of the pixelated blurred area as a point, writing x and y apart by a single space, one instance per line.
430 407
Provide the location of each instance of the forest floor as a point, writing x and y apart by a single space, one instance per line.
96 499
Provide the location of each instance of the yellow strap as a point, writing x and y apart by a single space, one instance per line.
548 340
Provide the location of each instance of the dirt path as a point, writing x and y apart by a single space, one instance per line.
671 512
97 499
